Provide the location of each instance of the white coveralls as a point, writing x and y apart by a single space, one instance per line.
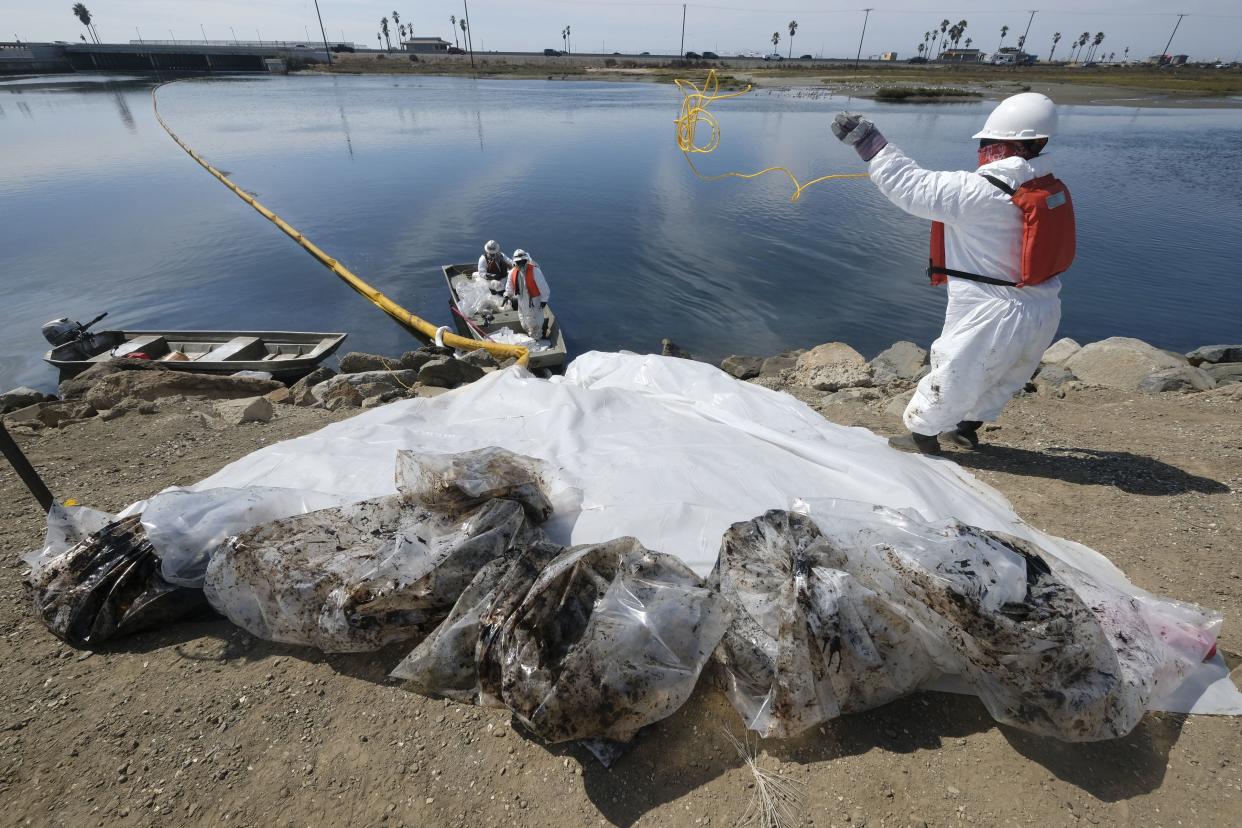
530 310
993 336
506 264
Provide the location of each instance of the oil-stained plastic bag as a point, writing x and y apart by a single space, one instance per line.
1027 643
355 578
106 586
607 639
808 642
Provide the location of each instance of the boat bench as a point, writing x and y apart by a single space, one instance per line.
237 349
153 345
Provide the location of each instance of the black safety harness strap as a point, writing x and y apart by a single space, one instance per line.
975 277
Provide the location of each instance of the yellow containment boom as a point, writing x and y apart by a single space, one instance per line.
412 323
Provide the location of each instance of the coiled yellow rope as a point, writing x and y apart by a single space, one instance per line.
694 103
414 324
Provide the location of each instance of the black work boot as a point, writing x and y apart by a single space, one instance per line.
966 435
916 443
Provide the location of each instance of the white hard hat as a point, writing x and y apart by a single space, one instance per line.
521 255
492 247
1021 117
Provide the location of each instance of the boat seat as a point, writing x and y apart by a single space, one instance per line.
237 349
153 345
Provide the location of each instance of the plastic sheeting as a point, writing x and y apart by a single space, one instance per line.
669 451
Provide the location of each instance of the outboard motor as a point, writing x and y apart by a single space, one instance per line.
61 331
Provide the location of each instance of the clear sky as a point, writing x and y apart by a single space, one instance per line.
1212 30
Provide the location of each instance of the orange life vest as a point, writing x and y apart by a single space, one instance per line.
1048 234
532 287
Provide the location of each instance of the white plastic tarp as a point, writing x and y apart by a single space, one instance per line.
667 450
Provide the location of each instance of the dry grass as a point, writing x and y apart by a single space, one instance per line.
778 800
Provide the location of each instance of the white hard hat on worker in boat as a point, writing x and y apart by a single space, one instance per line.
520 255
1021 117
492 247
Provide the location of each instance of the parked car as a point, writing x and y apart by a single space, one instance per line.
343 47
917 60
455 50
693 56
710 56
552 53
807 57
646 53
774 56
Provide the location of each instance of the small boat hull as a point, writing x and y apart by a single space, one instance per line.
286 355
480 327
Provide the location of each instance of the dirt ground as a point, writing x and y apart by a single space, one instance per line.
202 724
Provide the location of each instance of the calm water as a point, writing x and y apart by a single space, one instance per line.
99 210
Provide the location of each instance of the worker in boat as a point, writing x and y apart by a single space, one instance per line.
1001 235
494 264
528 291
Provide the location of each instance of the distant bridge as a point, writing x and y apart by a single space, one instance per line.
37 58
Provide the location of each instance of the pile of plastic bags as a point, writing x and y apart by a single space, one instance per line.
578 551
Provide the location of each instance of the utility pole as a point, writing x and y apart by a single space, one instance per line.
1028 30
1170 43
323 33
861 36
173 36
682 53
204 31
234 36
469 32
139 31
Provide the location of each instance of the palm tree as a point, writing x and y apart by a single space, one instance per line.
453 26
569 40
461 24
969 41
1056 38
396 19
1082 41
1126 56
793 28
83 14
1004 31
1095 44
922 46
776 38
384 32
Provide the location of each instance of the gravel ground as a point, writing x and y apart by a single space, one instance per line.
203 724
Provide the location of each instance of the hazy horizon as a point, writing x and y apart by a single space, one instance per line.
1210 30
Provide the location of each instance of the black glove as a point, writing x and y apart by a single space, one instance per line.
858 132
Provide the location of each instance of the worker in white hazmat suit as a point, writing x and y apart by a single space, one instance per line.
1000 263
529 292
494 264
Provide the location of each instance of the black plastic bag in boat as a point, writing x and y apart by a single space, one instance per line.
807 641
355 578
594 643
1002 619
106 586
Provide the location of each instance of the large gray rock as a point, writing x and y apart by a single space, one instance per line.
480 358
851 395
1224 372
832 366
356 362
51 414
20 398
903 360
742 367
1053 376
776 364
252 410
1119 362
1060 351
447 372
897 405
77 386
413 360
402 378
109 390
1215 354
312 379
341 395
1181 378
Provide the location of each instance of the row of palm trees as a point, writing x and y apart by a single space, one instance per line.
84 17
406 31
793 30
936 39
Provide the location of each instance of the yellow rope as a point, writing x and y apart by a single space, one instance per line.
409 321
694 103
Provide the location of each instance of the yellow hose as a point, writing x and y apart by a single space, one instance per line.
409 321
694 103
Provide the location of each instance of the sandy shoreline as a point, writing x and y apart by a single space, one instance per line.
203 723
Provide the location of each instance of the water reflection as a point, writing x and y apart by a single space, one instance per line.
586 176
